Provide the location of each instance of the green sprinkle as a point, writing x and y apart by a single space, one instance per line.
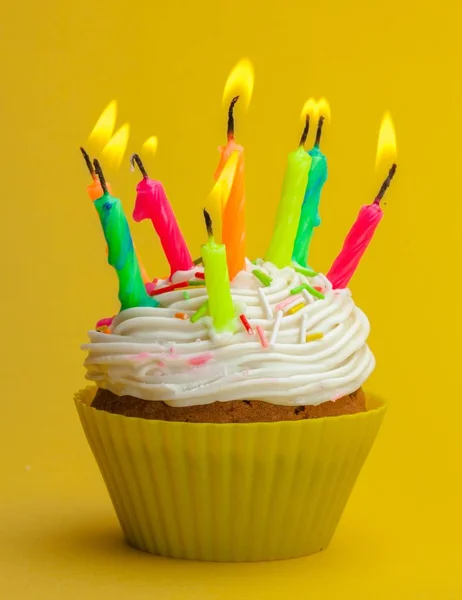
198 261
200 312
296 290
308 288
186 295
197 283
254 262
265 279
304 271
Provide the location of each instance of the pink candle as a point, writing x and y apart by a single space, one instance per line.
358 239
152 203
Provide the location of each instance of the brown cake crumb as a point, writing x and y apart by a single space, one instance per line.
234 411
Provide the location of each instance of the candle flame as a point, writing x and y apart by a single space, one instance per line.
104 128
386 145
324 109
114 150
150 145
240 83
315 109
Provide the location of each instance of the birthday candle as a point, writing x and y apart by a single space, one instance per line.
95 191
121 254
293 188
152 203
233 232
309 216
220 302
358 239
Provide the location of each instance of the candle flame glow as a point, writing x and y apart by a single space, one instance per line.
315 109
240 83
150 145
386 145
114 150
104 128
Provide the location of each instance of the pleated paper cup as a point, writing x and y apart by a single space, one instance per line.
229 492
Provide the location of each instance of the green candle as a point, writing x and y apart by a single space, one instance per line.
220 301
121 254
309 216
288 213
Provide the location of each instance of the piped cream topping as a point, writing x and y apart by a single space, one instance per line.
303 349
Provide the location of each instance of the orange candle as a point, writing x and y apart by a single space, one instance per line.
233 229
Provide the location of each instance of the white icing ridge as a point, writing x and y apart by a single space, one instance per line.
153 355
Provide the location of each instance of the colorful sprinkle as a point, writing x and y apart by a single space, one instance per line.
277 324
199 275
107 322
262 336
318 288
287 301
195 283
304 271
168 288
308 297
201 359
312 337
295 308
186 295
181 315
198 261
308 288
246 324
263 277
141 356
266 304
200 312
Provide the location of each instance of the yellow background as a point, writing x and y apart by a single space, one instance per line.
166 64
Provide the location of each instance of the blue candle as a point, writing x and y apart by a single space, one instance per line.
309 216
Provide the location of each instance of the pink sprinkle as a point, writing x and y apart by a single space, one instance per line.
287 301
107 322
201 359
141 356
150 287
262 336
161 363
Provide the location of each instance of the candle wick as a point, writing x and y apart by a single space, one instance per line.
136 159
88 161
231 118
208 224
306 129
99 172
319 131
385 184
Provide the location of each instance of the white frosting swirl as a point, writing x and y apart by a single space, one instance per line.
152 354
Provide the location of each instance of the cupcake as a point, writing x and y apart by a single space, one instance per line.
238 446
227 412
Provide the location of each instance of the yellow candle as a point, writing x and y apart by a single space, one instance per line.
220 301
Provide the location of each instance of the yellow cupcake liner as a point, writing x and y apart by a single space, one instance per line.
229 492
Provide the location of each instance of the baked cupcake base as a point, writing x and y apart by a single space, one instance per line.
234 411
246 492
